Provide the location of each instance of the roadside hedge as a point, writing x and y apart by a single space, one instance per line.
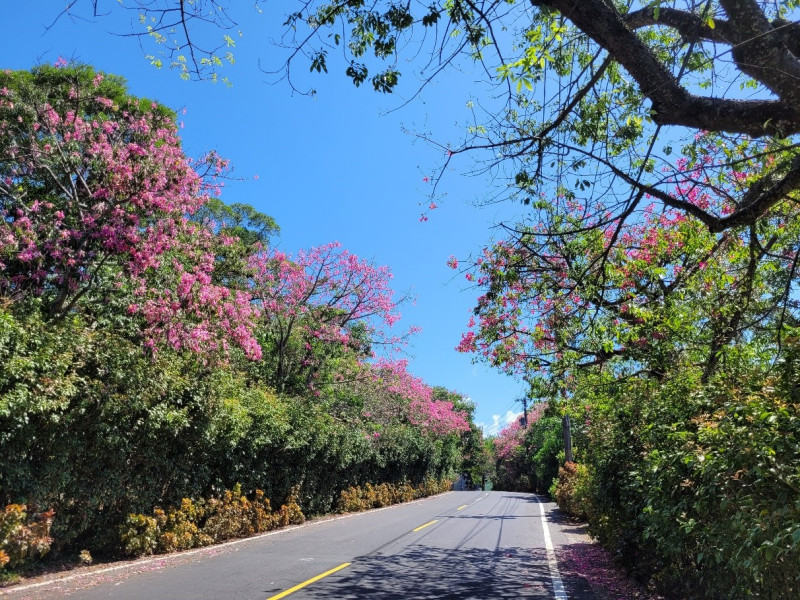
94 430
698 488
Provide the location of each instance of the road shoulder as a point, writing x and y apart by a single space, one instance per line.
587 569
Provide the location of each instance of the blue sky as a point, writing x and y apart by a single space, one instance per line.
338 166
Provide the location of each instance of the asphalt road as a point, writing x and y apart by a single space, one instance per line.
459 545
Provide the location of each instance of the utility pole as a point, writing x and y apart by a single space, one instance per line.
565 423
525 412
524 401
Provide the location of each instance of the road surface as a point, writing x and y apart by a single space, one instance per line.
459 545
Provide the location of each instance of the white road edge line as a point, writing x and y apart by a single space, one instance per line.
175 555
552 563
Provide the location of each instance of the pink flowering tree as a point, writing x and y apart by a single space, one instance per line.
321 304
582 289
522 447
393 402
244 231
509 440
512 471
95 199
512 436
399 395
533 314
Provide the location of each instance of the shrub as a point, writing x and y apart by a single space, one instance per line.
572 490
23 538
355 499
179 527
701 490
230 516
139 535
404 492
291 513
196 524
350 500
261 515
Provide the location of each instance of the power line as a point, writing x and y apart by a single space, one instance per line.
499 425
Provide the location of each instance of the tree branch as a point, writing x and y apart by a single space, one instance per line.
687 24
671 103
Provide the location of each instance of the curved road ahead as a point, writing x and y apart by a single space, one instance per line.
459 545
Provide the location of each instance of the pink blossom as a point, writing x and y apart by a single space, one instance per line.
320 294
141 189
437 417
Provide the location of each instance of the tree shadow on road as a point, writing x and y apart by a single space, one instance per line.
424 572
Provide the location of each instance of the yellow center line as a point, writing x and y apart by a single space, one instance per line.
308 581
417 529
462 507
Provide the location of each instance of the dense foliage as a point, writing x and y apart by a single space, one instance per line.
154 348
674 349
528 451
698 485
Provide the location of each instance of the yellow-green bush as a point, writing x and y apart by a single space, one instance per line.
139 535
405 492
23 537
196 524
290 513
572 491
178 527
355 499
